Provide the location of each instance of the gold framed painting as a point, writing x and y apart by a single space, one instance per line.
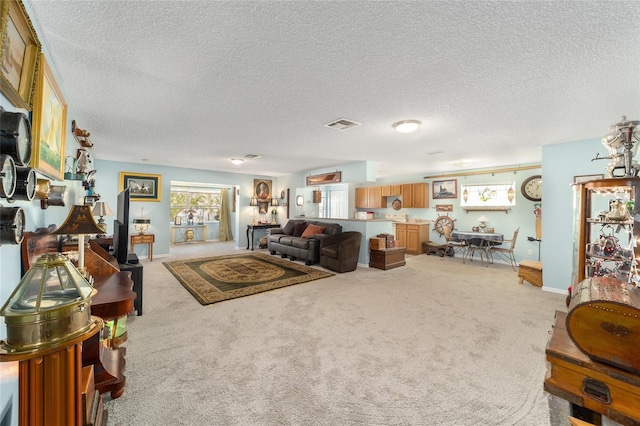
262 190
143 186
49 124
19 53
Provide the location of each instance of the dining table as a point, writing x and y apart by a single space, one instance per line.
480 242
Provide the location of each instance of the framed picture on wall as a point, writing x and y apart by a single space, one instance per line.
445 189
444 207
144 187
587 178
49 125
19 54
262 190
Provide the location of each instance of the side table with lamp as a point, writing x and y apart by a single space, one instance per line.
141 224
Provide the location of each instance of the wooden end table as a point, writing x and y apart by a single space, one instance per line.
147 239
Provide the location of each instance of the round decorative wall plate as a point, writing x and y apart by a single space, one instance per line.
396 204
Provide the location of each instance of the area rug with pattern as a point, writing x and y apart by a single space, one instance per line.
218 278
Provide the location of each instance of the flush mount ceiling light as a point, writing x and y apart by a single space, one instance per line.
407 126
237 161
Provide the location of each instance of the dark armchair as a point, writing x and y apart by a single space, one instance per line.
339 252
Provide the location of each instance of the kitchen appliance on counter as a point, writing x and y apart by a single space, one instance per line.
363 215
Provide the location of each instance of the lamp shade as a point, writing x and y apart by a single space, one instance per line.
299 200
254 201
483 218
79 221
101 208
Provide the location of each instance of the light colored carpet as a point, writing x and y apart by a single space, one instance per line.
436 342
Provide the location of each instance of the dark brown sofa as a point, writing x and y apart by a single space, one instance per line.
289 243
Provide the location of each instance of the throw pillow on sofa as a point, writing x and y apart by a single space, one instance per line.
299 229
312 230
289 228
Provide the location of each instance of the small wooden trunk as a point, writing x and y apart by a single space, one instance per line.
604 321
377 243
599 387
387 258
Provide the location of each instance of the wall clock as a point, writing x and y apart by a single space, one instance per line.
7 176
15 137
532 188
11 225
25 184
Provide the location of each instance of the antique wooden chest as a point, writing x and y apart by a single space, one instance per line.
387 258
604 321
573 376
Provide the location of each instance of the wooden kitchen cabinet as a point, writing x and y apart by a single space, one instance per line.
415 195
375 197
391 190
420 195
407 195
412 235
362 197
369 197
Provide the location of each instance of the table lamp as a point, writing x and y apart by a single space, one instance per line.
274 212
141 224
101 208
483 223
79 222
253 203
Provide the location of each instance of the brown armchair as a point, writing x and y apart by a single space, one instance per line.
340 252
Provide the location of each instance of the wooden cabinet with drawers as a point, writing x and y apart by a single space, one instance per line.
412 235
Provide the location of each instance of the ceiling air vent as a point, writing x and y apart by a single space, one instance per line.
252 156
342 124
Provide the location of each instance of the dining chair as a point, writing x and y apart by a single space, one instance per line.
452 245
507 252
480 246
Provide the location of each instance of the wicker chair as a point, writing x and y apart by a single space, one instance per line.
339 252
506 252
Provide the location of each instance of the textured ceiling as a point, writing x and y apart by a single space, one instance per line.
195 83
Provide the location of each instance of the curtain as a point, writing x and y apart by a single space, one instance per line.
225 217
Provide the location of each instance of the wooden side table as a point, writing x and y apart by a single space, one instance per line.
148 239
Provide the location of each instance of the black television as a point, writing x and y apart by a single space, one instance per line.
121 228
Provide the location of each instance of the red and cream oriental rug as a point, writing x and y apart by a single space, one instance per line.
219 278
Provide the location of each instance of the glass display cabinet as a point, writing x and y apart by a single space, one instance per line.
605 229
